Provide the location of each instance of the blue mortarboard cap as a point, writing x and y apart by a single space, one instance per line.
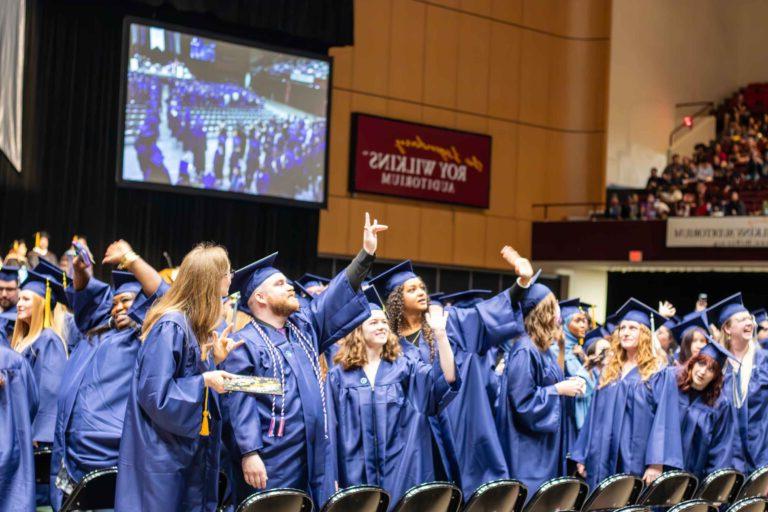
698 321
248 278
36 283
761 315
671 322
46 268
610 322
436 298
570 307
308 280
636 311
125 282
374 301
9 274
599 332
717 352
720 313
466 298
300 290
393 277
533 295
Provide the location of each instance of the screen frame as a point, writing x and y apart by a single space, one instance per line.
182 189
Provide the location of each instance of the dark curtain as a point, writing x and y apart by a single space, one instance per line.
67 184
683 288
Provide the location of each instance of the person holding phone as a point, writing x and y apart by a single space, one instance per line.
371 392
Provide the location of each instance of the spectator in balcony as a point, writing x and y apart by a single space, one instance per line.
671 196
673 165
719 153
613 208
705 172
631 209
735 206
654 181
649 209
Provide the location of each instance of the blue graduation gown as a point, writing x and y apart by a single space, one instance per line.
6 327
165 464
94 390
47 357
298 458
18 406
707 434
377 439
530 416
631 424
750 449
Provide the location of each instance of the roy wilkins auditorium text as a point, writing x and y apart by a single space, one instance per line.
417 161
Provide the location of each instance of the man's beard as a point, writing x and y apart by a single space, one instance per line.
284 307
5 304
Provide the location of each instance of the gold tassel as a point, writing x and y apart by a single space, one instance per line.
64 280
47 315
204 428
592 314
37 239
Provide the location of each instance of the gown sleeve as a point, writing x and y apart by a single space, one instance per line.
47 360
27 378
172 400
485 325
337 311
427 389
535 407
665 444
242 408
723 431
142 303
91 305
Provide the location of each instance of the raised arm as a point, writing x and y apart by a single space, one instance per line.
120 253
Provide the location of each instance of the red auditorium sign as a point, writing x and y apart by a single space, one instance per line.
418 161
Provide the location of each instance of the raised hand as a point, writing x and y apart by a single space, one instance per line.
666 309
522 266
221 345
370 232
437 318
115 252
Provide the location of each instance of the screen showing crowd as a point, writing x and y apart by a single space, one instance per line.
214 115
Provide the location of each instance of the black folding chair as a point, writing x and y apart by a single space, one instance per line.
669 489
94 491
636 508
614 492
720 487
430 497
694 506
499 496
755 485
360 498
43 465
754 504
558 494
277 500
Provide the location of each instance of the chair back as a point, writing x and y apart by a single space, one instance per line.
614 492
95 491
498 496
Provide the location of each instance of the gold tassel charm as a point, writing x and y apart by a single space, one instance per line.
205 428
47 315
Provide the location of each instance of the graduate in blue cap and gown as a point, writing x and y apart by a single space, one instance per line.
691 335
761 320
464 433
532 410
63 319
746 382
633 420
373 392
283 441
95 387
169 452
9 296
597 346
707 417
18 406
313 284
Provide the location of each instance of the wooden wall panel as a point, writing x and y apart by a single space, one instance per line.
531 73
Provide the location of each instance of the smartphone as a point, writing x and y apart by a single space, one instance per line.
703 296
83 253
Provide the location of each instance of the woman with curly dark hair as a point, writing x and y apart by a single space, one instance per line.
707 425
373 391
472 331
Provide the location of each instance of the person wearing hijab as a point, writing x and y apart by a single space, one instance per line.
18 406
283 440
531 414
746 381
633 422
371 392
707 418
169 451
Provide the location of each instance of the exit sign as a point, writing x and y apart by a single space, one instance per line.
635 256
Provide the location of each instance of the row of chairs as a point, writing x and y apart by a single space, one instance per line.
625 493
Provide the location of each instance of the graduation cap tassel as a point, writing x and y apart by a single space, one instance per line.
592 314
47 316
37 239
204 427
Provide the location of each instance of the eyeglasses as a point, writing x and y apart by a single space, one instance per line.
8 289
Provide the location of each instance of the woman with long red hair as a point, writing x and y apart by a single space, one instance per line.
707 426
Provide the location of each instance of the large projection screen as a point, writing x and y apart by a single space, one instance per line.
204 113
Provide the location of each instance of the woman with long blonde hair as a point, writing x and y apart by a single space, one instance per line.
35 338
633 423
169 453
373 390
